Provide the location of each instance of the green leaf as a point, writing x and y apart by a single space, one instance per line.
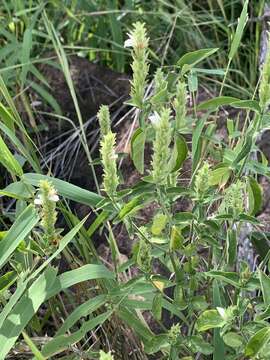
244 151
6 117
220 175
214 103
192 81
81 311
7 280
84 273
247 104
157 306
159 224
160 97
176 238
228 277
248 218
263 315
24 310
20 147
137 149
63 243
157 343
41 290
179 153
239 30
100 220
18 190
209 319
22 285
233 340
183 217
135 323
199 303
62 342
129 207
230 127
66 189
232 246
8 160
49 98
18 231
260 240
255 196
194 57
265 285
25 57
199 345
257 341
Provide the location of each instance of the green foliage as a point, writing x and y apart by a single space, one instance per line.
184 260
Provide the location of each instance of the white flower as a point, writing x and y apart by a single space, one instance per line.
154 118
114 156
129 42
38 200
53 197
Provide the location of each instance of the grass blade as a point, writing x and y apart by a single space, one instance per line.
18 231
62 342
8 160
24 310
83 310
66 189
33 348
239 31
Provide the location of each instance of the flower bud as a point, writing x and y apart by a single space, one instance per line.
143 257
160 158
104 120
108 158
47 199
139 42
174 333
234 198
264 89
202 181
105 356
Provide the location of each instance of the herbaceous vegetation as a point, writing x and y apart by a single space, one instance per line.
196 284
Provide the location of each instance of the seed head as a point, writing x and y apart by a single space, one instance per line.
47 199
104 120
160 159
108 158
202 181
139 43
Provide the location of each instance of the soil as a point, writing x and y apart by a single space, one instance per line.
94 85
